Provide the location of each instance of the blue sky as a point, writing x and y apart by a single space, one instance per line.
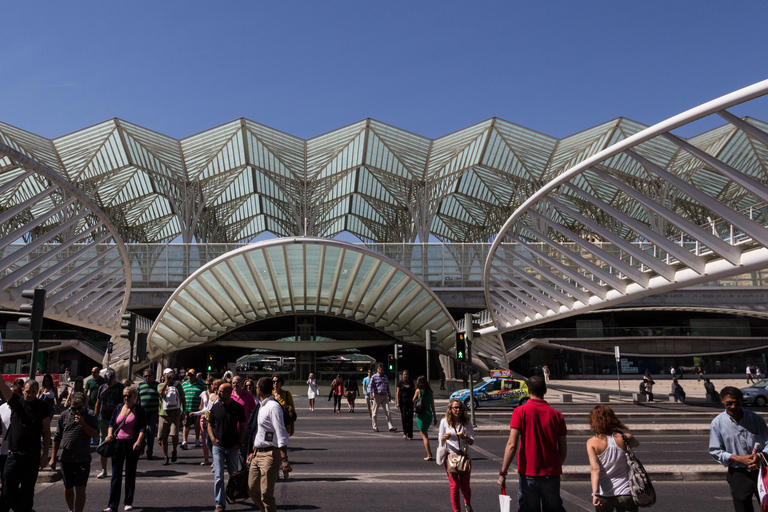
429 67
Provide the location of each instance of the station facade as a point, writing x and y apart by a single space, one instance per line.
228 243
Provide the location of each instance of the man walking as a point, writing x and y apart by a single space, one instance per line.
270 449
30 422
92 387
169 414
76 427
749 375
367 381
540 432
149 399
733 435
226 429
192 387
109 396
378 388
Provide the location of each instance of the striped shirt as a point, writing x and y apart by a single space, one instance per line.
149 398
379 385
192 394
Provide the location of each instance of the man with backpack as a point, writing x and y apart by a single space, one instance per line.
172 403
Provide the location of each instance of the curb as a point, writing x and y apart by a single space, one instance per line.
48 476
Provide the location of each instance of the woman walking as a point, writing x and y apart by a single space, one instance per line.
126 428
283 397
456 435
336 391
48 393
427 416
351 391
648 382
405 392
608 461
207 399
79 388
312 391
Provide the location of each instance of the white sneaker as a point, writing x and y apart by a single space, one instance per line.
102 474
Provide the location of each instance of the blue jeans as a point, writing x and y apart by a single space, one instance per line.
224 459
539 494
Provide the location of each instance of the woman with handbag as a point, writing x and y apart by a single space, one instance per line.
312 391
608 462
283 397
456 435
351 391
126 430
424 407
336 393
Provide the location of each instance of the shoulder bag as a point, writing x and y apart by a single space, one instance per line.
418 404
458 463
640 484
237 486
106 449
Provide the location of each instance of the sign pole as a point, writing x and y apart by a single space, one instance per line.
428 344
618 372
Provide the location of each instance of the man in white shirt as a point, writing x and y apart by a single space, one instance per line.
270 448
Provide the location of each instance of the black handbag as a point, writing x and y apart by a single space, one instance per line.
237 487
418 405
106 449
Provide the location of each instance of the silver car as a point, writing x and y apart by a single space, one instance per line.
757 393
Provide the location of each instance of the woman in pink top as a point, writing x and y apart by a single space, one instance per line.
127 430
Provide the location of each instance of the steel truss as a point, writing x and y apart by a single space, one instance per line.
651 213
71 247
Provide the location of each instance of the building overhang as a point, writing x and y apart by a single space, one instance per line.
290 276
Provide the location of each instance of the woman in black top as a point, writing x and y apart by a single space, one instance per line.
404 396
351 391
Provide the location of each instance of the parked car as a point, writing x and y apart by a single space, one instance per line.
496 392
757 393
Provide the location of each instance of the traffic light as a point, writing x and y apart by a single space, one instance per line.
398 351
34 322
141 347
128 324
472 325
210 363
391 362
461 346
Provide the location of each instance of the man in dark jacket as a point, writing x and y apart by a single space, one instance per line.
226 428
30 421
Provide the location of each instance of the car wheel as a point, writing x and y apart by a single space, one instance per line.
522 401
760 401
466 403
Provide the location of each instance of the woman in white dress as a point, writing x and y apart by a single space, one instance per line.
313 391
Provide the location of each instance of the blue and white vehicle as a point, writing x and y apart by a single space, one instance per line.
496 392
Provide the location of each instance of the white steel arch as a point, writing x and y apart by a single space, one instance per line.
652 213
71 248
289 276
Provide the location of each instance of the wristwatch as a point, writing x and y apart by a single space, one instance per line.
285 459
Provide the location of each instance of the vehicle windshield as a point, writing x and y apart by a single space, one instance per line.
760 384
480 385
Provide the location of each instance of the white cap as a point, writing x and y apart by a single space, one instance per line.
167 371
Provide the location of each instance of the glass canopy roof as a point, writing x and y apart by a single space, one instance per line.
295 276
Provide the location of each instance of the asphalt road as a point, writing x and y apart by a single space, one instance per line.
340 464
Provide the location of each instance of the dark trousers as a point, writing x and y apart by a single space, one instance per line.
124 454
19 477
743 485
406 412
150 431
337 402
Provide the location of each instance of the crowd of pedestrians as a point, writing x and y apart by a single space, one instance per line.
245 426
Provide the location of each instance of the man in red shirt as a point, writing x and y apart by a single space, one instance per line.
540 433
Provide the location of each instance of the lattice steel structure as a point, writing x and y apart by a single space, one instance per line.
652 213
378 182
71 247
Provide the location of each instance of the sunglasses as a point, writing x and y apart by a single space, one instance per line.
76 409
126 397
